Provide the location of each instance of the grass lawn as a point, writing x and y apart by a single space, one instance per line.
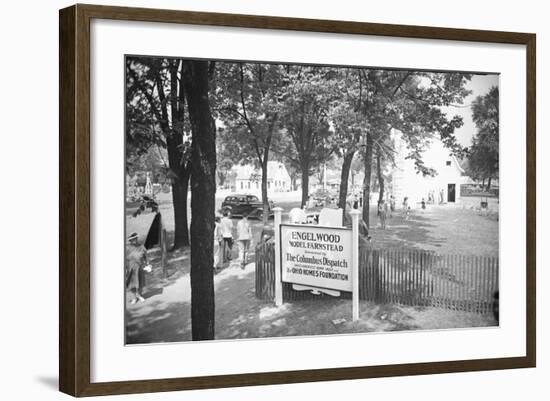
445 229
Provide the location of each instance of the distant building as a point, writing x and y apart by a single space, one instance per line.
247 178
333 179
444 187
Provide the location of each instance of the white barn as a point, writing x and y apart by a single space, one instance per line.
444 187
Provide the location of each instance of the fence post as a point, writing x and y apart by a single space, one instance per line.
355 262
278 283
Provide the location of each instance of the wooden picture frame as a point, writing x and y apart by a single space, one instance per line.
75 207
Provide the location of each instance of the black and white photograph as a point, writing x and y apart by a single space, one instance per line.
269 200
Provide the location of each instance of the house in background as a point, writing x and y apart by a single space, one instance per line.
247 178
444 187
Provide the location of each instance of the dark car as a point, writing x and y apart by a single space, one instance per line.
147 202
245 204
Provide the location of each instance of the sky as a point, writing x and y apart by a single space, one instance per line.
479 85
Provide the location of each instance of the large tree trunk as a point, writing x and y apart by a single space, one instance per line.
367 179
181 172
181 232
305 183
203 191
380 178
265 161
293 181
180 184
265 200
344 177
489 183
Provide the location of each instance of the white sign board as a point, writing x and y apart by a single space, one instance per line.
317 256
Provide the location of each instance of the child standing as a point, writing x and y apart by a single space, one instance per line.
406 208
244 237
392 205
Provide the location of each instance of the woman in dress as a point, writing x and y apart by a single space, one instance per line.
136 265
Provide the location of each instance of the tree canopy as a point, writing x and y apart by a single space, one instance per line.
483 160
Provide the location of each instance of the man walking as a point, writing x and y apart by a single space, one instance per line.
227 235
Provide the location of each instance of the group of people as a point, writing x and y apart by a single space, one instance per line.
137 264
431 197
385 209
224 239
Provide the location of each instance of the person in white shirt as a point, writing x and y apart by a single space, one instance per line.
244 237
310 202
226 226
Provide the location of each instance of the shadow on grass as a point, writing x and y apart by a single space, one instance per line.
163 323
151 292
415 233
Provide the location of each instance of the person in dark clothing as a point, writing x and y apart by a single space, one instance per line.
392 205
355 202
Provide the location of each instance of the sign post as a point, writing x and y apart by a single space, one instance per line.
278 280
317 258
355 263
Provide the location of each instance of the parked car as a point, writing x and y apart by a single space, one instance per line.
312 218
148 202
240 204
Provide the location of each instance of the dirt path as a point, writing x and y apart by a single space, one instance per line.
165 315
